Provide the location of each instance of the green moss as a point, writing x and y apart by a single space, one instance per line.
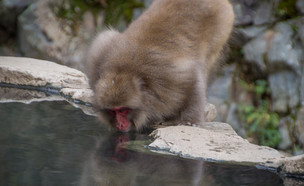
286 9
72 11
296 148
294 29
117 9
235 54
260 122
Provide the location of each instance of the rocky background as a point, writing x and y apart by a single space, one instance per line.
259 90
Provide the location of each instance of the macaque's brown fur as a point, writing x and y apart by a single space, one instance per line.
158 67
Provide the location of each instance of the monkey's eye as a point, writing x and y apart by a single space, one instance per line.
110 112
124 110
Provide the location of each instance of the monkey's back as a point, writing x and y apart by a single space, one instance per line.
195 29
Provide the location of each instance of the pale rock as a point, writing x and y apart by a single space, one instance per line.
300 6
255 50
252 31
220 91
48 81
243 14
221 88
210 112
284 131
300 30
219 142
293 165
299 126
285 91
276 49
212 142
264 13
34 72
17 3
284 52
234 121
302 87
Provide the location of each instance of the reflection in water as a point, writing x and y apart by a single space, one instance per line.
112 164
52 143
117 151
29 94
10 94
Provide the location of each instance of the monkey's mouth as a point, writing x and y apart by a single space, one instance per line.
121 122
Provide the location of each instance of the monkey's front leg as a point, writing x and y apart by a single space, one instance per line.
194 113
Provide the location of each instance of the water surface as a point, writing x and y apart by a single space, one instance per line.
53 143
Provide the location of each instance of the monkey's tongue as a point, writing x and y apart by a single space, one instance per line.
122 123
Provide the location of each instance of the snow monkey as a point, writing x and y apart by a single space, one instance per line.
156 70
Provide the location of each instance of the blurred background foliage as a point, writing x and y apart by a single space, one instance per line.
261 123
114 10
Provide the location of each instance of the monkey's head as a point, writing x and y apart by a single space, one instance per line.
118 100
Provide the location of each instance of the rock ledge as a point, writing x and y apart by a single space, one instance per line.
219 142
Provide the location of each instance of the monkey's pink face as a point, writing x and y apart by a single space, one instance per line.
118 98
119 117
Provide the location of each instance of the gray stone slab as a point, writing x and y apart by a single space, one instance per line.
34 72
214 142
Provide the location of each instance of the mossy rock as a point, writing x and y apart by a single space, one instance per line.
286 9
114 10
